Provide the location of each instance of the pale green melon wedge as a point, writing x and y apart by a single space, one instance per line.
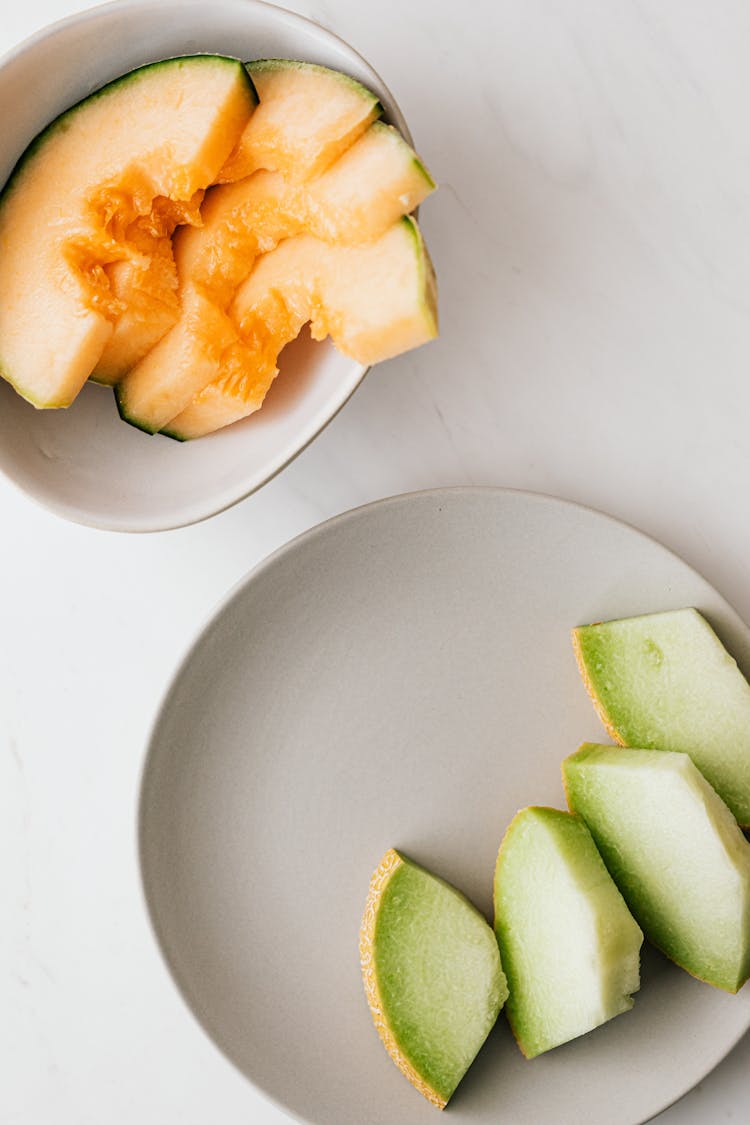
568 942
432 975
664 681
675 851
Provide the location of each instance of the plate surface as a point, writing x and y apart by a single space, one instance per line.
400 676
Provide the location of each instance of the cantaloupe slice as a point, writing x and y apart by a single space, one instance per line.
432 975
146 287
308 116
376 181
664 681
160 132
375 301
286 138
356 200
569 945
675 851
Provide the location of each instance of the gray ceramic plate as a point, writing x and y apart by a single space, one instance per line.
401 676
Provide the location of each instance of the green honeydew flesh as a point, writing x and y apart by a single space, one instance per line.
675 851
664 681
439 976
569 945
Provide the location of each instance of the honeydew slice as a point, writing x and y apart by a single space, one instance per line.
308 116
159 133
664 681
569 945
375 301
675 851
432 975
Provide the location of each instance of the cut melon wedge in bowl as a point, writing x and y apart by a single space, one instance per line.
106 182
324 126
252 235
374 301
83 463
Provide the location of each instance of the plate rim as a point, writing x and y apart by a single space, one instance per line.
209 619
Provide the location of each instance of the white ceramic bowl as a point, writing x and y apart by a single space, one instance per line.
84 463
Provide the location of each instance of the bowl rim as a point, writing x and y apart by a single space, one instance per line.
248 483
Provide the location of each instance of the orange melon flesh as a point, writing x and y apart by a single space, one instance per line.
146 285
160 132
245 372
194 350
357 199
308 116
238 221
379 179
149 311
375 182
374 300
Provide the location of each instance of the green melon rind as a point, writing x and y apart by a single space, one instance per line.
93 378
63 120
601 916
627 824
407 956
131 419
427 283
416 162
22 391
664 681
173 435
298 64
427 275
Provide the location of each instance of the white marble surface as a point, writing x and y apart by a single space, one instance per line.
592 237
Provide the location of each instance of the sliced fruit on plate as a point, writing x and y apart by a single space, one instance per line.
160 132
569 945
379 179
375 301
307 117
664 681
675 851
432 975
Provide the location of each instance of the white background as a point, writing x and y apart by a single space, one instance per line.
592 238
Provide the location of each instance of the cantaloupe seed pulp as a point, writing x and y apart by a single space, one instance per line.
93 191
